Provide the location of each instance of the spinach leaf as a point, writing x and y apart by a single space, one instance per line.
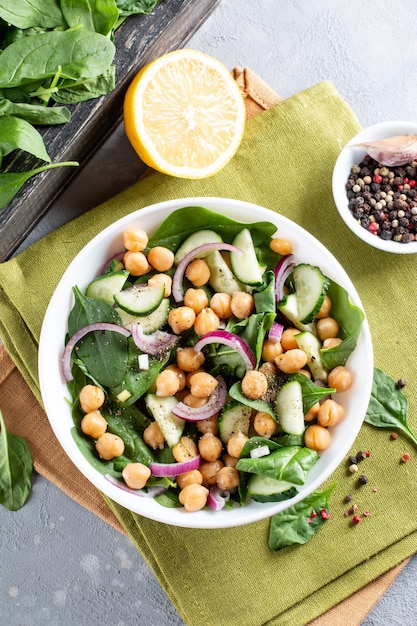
236 393
388 406
76 53
123 422
87 448
93 15
350 319
291 464
26 14
132 7
312 393
258 442
11 182
71 92
15 469
16 133
104 353
299 523
265 299
34 113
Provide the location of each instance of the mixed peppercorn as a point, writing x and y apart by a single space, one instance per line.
384 200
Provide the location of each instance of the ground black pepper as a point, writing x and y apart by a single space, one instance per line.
384 200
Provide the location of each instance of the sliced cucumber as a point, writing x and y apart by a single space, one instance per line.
310 288
150 323
234 417
160 407
246 266
266 489
221 278
140 299
194 241
311 345
104 287
289 408
289 307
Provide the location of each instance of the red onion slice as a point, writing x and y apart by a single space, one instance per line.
151 492
275 334
118 256
82 332
177 288
217 498
175 469
232 341
215 402
282 270
156 343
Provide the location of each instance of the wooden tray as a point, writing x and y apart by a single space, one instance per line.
140 39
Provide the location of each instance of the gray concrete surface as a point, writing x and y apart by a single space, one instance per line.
60 565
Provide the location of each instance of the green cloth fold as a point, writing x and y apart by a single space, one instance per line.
230 576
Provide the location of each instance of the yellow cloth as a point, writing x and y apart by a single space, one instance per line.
230 576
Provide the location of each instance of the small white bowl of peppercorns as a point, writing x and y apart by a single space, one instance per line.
375 186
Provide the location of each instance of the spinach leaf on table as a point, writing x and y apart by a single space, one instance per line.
28 14
388 406
300 522
93 15
71 92
11 182
33 113
18 134
15 469
134 7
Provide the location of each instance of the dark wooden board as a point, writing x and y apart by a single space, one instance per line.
140 39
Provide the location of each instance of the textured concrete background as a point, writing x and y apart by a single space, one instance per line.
60 565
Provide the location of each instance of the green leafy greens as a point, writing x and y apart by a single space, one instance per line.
15 469
52 51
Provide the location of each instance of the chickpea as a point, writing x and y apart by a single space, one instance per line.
109 446
135 239
281 246
229 461
271 349
325 308
184 450
91 398
198 272
194 401
236 443
287 340
136 263
209 470
93 424
312 413
153 437
202 384
193 497
220 303
210 447
228 478
206 321
291 361
161 279
264 424
340 378
330 413
268 368
167 383
209 425
136 475
179 373
327 327
196 299
192 477
305 373
161 258
254 384
180 319
316 437
332 342
189 359
242 304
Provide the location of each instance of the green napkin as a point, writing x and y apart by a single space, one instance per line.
230 576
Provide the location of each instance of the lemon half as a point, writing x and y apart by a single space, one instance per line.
184 114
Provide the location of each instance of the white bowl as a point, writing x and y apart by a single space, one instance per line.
351 156
86 266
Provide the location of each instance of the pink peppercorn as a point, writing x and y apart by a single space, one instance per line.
356 520
324 514
377 178
405 457
412 182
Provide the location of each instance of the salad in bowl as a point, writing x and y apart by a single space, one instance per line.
207 371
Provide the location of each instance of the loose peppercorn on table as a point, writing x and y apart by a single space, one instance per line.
62 557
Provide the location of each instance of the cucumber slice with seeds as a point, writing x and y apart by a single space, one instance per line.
150 323
246 266
311 345
140 299
234 417
221 278
104 287
310 288
289 308
194 241
266 489
160 407
289 408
